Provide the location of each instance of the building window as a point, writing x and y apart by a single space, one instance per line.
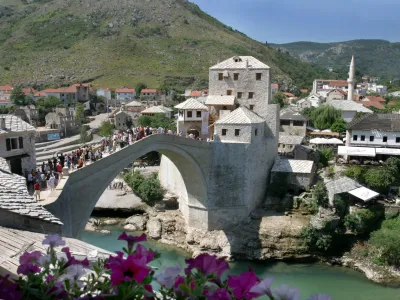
256 132
12 143
362 138
298 123
285 122
123 124
189 114
237 132
385 139
220 76
224 131
398 140
252 108
198 114
355 137
251 95
239 95
371 138
235 76
21 142
229 92
258 76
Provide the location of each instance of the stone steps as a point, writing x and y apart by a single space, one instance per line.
44 144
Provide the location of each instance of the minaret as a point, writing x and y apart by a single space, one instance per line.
351 80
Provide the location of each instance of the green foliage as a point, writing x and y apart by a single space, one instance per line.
84 135
79 112
148 189
341 206
279 98
339 125
325 116
316 240
46 105
325 155
355 172
18 97
379 179
106 128
156 121
387 241
320 194
363 221
139 87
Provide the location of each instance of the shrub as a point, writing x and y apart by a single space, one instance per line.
355 172
316 240
341 206
387 241
320 194
380 178
150 190
363 221
325 155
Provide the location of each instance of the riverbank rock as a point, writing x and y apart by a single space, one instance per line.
90 227
137 221
111 222
325 218
104 231
170 201
154 229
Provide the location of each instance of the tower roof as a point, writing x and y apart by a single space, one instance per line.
191 104
241 115
240 62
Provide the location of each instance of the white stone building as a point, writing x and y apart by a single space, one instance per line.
17 144
293 123
192 118
104 92
336 94
245 78
303 103
160 109
349 108
125 94
122 119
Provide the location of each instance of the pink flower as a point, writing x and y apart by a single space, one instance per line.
127 269
55 288
73 274
53 240
9 290
28 263
72 260
131 240
285 292
207 264
220 294
179 287
142 253
263 288
242 284
167 278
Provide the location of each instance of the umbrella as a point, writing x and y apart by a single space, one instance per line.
318 141
335 141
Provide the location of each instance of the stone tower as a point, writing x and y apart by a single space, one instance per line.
351 80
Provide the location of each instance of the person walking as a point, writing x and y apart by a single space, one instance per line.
30 179
52 181
36 187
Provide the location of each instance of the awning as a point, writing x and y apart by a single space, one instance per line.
324 141
387 151
356 151
364 193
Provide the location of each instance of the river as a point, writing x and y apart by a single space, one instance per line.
340 283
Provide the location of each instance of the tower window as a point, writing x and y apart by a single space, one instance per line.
189 114
235 76
224 131
229 92
198 114
371 138
252 108
237 132
251 95
398 140
362 138
256 132
239 95
220 76
385 139
355 137
258 76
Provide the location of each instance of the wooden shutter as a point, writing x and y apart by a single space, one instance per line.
8 144
21 142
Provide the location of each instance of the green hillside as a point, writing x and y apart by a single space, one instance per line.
121 42
378 58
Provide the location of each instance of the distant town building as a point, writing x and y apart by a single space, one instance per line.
149 93
123 117
192 118
104 92
287 143
349 108
304 103
293 123
75 93
336 94
274 88
155 110
134 106
125 94
62 119
315 99
17 143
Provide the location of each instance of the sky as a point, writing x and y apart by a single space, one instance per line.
285 21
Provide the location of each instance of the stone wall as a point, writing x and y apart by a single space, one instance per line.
29 162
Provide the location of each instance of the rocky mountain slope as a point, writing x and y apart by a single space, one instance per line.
121 42
373 57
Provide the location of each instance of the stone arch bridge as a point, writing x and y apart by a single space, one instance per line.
85 186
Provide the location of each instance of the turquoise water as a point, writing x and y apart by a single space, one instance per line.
340 283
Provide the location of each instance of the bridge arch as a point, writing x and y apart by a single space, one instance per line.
84 187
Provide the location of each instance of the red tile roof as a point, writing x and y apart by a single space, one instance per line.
4 100
28 91
195 94
341 83
125 90
375 104
6 87
289 94
304 91
40 94
149 91
275 85
375 98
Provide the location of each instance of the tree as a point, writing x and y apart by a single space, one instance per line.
379 178
320 194
325 155
106 128
156 121
279 98
79 112
84 135
18 97
363 221
339 125
325 116
139 87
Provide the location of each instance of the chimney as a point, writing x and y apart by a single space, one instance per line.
3 123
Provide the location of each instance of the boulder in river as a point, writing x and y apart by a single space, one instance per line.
154 229
138 221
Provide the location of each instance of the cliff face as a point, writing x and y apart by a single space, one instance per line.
121 42
263 236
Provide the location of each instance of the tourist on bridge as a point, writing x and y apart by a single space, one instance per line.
52 182
36 187
30 179
59 170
